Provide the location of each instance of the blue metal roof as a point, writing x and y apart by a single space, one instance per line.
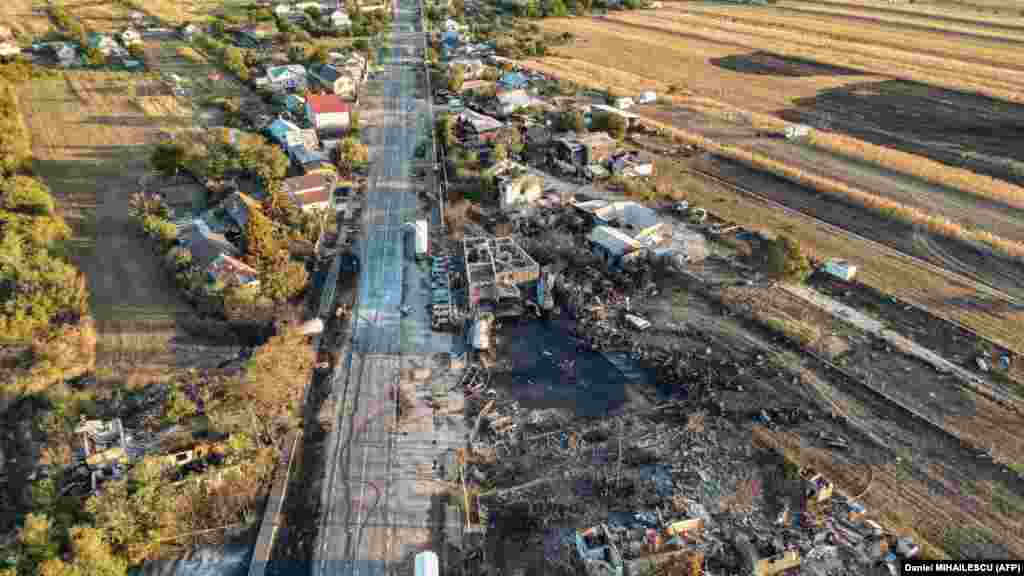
513 80
279 128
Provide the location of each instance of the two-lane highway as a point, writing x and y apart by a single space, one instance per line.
364 511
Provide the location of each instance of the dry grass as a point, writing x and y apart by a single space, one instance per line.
606 52
906 280
926 169
19 16
902 502
162 107
997 54
889 208
934 172
900 64
808 327
925 12
105 16
89 140
593 64
189 53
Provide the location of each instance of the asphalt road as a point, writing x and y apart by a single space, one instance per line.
372 516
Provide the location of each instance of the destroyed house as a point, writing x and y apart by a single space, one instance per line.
206 245
639 222
476 127
238 206
628 117
631 164
491 263
599 146
231 271
593 148
612 245
515 185
102 442
597 551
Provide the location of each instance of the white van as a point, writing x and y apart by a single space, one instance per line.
637 322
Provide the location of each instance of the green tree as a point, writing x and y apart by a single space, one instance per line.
456 77
94 57
36 541
445 129
168 158
161 230
354 127
234 60
313 12
614 124
270 164
319 55
361 44
92 554
27 196
573 121
280 208
351 155
260 243
785 260
500 152
558 9
283 279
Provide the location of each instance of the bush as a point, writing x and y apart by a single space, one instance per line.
785 260
161 230
27 196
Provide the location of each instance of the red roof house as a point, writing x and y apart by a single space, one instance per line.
327 112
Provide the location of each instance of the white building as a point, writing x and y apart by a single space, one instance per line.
8 49
288 77
512 100
129 37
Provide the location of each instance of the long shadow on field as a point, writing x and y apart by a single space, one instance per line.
956 128
137 121
769 64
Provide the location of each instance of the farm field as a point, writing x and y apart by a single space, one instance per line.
973 130
946 295
1000 13
25 18
104 16
91 135
994 82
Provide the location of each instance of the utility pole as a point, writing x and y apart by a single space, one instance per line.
618 472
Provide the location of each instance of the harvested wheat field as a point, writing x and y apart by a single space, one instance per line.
102 16
990 13
91 135
24 18
905 64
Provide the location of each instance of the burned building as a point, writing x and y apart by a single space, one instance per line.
493 265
